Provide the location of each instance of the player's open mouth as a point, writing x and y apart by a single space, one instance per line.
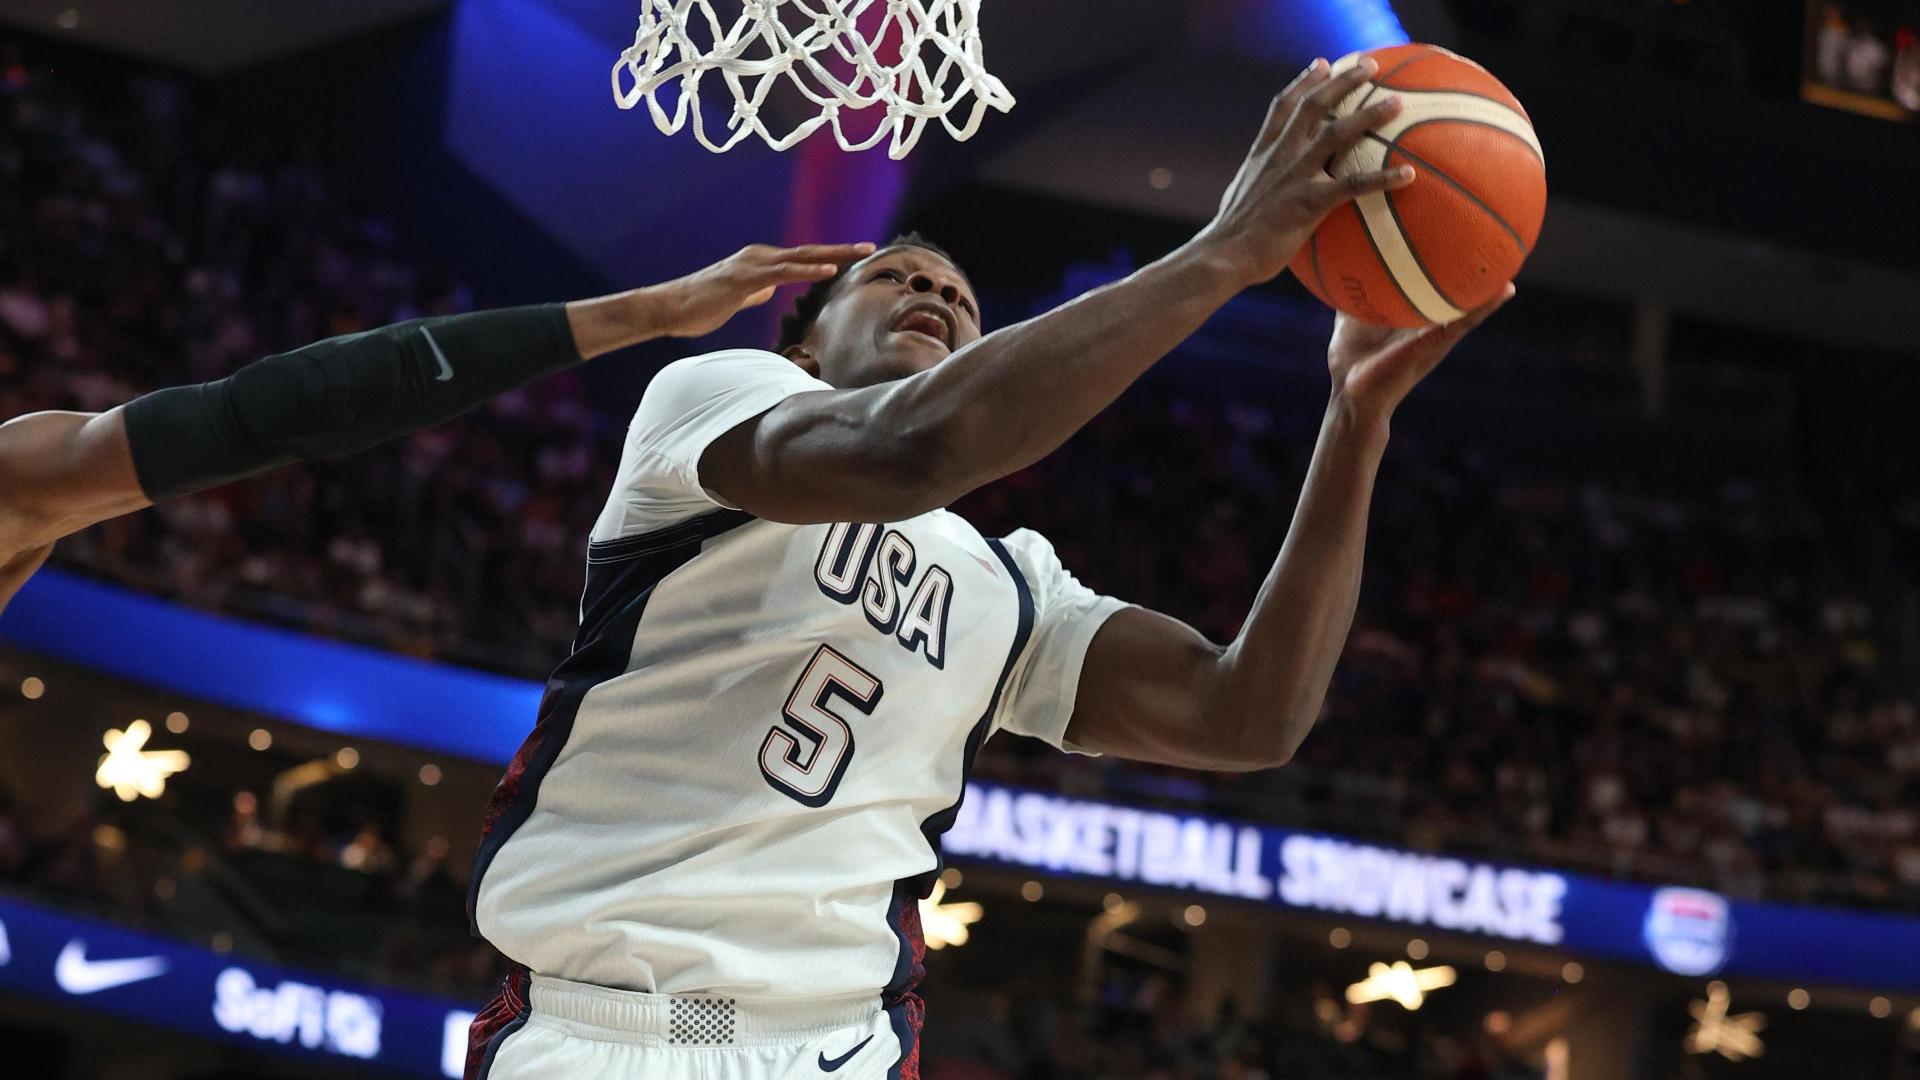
927 322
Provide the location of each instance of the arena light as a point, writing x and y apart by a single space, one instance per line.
1400 982
130 771
1559 1058
946 924
1735 1038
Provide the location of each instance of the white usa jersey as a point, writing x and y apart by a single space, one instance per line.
739 778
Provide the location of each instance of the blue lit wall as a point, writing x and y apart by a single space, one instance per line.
530 110
323 684
1295 31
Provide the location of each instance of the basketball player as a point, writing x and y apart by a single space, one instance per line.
63 471
705 860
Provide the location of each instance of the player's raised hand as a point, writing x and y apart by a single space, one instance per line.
1375 367
704 300
1283 189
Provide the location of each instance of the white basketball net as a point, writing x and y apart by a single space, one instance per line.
760 50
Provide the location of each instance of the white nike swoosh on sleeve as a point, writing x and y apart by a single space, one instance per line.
446 368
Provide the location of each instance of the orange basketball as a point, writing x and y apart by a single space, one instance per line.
1432 251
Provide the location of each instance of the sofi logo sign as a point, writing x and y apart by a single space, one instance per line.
334 1021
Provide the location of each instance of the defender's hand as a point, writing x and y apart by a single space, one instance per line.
703 301
1375 367
1283 190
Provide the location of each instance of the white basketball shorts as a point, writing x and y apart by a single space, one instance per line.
578 1032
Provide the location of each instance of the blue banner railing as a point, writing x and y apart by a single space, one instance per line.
1682 930
364 692
328 685
98 967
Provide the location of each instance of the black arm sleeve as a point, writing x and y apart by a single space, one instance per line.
340 396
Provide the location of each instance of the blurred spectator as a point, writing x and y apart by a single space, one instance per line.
245 831
368 851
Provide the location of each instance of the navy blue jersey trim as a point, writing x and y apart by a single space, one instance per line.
913 889
615 600
494 1044
897 1014
630 547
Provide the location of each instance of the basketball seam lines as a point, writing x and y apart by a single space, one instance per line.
1463 93
1393 147
1414 250
1374 86
1476 122
1381 257
1439 307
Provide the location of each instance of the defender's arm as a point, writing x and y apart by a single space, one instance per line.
62 471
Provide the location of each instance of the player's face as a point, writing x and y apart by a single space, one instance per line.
896 313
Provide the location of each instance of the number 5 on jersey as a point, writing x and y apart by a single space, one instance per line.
805 757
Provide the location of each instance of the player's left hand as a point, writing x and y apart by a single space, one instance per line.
704 300
1375 367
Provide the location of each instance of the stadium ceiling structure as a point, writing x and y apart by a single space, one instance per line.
1144 106
209 37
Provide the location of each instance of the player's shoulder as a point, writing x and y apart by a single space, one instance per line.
723 359
1027 545
689 384
1032 555
719 369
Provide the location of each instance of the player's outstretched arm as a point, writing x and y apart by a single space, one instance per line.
61 471
889 452
1153 689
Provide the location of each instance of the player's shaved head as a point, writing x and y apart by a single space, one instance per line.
846 329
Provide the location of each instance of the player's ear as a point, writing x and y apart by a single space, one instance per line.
804 357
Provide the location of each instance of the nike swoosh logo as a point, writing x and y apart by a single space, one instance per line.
834 1064
446 369
78 975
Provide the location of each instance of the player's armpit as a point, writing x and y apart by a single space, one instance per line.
61 472
1147 692
828 455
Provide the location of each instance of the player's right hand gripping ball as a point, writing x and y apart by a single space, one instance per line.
1450 241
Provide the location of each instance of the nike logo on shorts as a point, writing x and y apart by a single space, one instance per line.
833 1065
446 369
